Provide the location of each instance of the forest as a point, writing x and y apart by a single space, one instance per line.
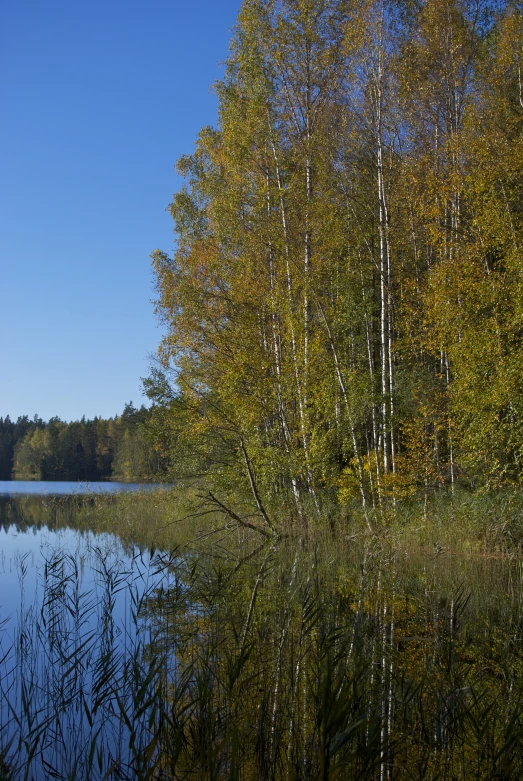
119 448
330 587
343 313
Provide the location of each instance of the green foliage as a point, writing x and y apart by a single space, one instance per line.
123 448
343 312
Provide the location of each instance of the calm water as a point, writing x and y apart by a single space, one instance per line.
56 488
35 530
74 616
24 554
357 657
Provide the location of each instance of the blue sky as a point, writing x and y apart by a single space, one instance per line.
98 100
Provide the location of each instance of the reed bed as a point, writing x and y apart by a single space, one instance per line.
79 682
348 660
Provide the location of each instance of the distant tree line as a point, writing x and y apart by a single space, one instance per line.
122 448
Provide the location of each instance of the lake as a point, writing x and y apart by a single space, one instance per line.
251 661
74 620
57 488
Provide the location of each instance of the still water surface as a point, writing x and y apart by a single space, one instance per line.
58 488
112 657
29 540
74 616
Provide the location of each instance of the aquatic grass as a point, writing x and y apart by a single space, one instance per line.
459 522
335 658
162 519
310 694
79 692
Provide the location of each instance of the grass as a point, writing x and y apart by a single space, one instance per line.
488 524
161 519
352 655
72 681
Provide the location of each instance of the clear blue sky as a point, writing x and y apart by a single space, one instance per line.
98 99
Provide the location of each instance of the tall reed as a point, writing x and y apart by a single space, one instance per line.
278 661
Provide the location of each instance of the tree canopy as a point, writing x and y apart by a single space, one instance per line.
123 448
343 309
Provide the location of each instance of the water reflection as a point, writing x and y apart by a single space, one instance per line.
74 648
352 661
29 513
62 488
